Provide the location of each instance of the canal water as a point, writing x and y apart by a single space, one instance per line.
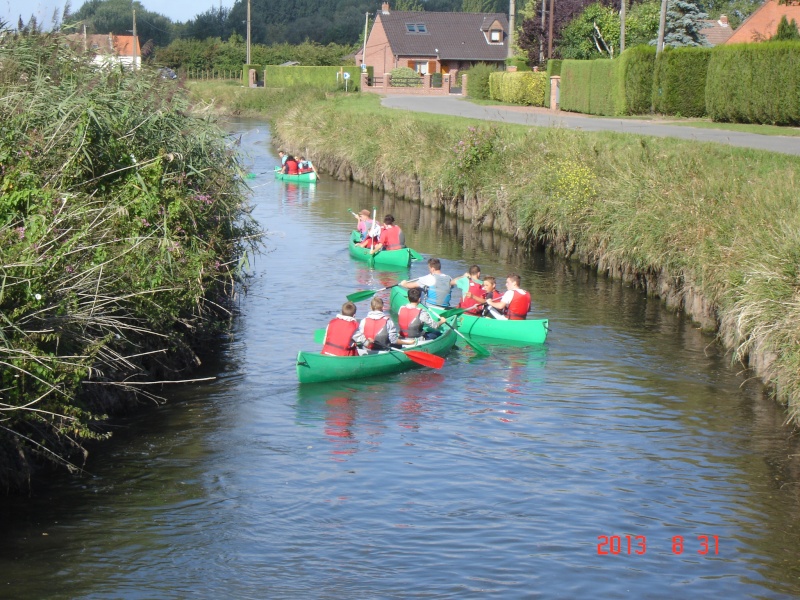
625 457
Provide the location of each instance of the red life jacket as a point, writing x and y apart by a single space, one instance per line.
291 167
471 303
390 238
339 338
409 322
375 329
517 309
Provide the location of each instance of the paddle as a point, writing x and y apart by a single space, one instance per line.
452 312
415 255
364 294
422 358
475 345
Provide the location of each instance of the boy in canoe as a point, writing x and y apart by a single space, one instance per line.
411 318
437 285
471 288
377 330
516 302
342 333
391 238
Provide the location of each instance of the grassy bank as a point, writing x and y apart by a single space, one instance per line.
712 229
122 223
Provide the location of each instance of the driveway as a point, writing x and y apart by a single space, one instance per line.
541 117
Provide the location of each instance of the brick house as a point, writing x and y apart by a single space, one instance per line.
763 23
110 48
435 42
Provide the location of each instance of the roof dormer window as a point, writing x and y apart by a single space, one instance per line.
496 35
416 28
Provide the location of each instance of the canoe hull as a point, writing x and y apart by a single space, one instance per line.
310 177
313 367
385 258
530 331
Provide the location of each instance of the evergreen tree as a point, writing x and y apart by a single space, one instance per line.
409 5
684 22
786 30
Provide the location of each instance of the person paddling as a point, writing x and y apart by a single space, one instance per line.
392 237
363 223
516 302
437 285
342 333
411 319
377 329
474 292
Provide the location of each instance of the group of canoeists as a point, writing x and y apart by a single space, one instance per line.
291 165
415 322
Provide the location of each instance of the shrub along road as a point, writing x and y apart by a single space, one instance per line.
540 117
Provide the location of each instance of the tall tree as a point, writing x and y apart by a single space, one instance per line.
683 25
786 30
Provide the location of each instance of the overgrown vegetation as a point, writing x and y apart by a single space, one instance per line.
122 226
664 209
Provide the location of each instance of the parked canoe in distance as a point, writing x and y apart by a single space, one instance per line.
399 259
309 177
314 367
529 331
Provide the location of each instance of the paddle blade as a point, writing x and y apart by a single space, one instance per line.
415 255
475 346
362 295
425 359
319 336
452 312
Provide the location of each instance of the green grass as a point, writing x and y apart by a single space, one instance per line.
743 127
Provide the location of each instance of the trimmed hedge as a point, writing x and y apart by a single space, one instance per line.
755 83
679 82
553 68
478 81
246 70
589 86
321 77
637 65
518 88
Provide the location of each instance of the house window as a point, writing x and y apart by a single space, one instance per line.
416 28
496 35
421 67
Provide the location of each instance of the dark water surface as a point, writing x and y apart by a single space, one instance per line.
493 477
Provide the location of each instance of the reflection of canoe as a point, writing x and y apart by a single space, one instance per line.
309 177
313 367
385 258
530 331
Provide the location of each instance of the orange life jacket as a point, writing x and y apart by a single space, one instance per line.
409 322
339 338
390 238
375 329
471 303
517 309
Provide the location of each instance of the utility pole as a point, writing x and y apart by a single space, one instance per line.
134 39
512 13
622 26
550 35
248 32
364 51
662 25
541 39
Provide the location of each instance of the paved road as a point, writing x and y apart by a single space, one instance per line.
538 117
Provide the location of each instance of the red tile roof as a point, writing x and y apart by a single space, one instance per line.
717 32
763 23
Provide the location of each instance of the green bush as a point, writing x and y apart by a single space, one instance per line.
679 82
330 78
553 68
525 88
478 81
635 84
589 86
405 77
755 83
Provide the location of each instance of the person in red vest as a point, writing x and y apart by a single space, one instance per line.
392 237
411 318
490 291
342 333
377 329
472 296
290 166
516 302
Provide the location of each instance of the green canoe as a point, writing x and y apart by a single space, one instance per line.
309 177
530 331
314 367
385 258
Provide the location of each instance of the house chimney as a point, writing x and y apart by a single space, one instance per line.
723 20
385 8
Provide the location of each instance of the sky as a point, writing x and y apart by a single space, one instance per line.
177 10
